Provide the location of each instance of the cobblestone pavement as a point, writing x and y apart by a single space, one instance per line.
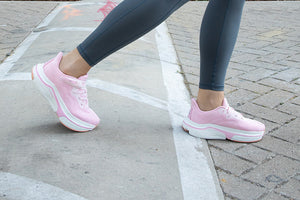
263 83
17 20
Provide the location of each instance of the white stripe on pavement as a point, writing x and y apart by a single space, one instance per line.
17 187
196 177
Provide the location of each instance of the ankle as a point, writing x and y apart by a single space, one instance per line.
74 65
209 100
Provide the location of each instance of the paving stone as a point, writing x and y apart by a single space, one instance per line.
238 188
273 57
273 172
290 189
257 74
242 67
17 19
254 154
230 147
193 79
276 67
228 89
254 51
259 44
297 177
289 132
191 70
274 98
296 100
244 58
279 146
233 73
288 75
272 82
240 96
295 58
248 85
279 50
229 162
288 63
293 109
265 113
274 196
194 90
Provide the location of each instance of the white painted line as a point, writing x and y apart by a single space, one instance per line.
17 187
17 77
105 86
196 177
88 29
51 16
11 60
128 92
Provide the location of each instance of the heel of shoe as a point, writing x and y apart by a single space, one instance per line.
43 87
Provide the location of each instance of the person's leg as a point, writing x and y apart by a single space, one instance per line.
210 116
127 22
219 30
62 80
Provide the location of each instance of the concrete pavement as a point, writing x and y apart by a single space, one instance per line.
139 151
132 155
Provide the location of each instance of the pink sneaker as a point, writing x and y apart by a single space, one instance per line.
67 95
222 123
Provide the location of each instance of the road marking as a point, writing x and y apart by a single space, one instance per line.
128 92
196 177
17 187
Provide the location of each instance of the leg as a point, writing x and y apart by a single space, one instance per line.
62 80
210 116
218 35
127 22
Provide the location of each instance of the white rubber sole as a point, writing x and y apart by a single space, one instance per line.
50 92
212 131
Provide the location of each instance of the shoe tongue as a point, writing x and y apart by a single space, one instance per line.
225 103
83 78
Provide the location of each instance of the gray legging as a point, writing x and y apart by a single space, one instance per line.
133 18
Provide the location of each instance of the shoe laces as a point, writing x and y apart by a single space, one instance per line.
80 92
230 113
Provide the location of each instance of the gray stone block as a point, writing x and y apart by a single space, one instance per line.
289 132
274 98
274 196
288 107
272 82
254 154
290 189
280 147
266 113
288 75
237 188
273 172
229 162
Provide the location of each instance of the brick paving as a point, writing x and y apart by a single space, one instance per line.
17 19
263 83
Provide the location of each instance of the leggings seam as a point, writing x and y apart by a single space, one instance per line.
130 39
217 51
